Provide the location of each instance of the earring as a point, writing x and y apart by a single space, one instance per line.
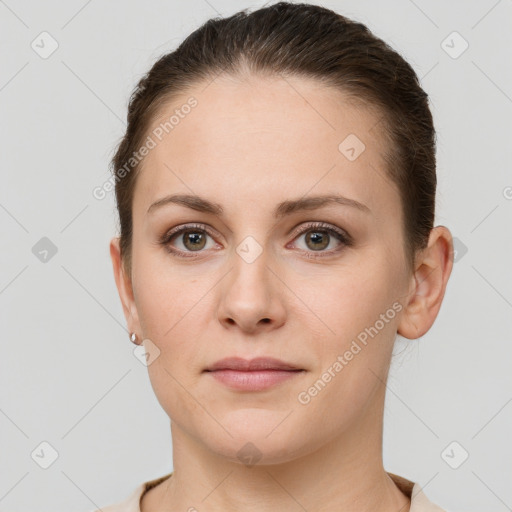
133 338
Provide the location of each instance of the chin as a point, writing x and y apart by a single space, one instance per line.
257 443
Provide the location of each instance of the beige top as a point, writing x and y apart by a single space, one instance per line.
419 501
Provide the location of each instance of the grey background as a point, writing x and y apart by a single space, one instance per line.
68 374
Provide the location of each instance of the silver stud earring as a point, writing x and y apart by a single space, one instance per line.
133 338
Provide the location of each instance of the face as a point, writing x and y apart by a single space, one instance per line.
316 284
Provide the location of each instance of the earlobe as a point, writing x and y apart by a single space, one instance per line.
124 287
429 284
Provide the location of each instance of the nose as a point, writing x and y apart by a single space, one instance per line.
251 296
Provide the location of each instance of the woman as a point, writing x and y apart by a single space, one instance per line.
276 194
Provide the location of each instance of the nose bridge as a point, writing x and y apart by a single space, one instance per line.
251 254
249 281
250 293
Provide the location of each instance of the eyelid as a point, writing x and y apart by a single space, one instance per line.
167 235
343 237
320 225
181 227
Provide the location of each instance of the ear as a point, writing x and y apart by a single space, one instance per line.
428 284
124 287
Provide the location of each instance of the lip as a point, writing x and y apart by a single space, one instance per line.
258 363
256 380
252 375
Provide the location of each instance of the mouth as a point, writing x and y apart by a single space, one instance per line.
252 375
255 380
259 363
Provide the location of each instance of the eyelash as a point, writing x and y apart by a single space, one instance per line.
339 234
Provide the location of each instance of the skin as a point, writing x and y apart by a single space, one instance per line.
250 144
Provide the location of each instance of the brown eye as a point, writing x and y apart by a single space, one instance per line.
317 237
186 240
194 240
317 240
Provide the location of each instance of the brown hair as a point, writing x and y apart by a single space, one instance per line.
301 40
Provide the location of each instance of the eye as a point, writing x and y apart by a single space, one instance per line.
184 241
189 239
319 236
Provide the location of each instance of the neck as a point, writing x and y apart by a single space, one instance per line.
346 473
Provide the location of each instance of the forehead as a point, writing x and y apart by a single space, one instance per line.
265 139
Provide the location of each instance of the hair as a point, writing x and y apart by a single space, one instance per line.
307 41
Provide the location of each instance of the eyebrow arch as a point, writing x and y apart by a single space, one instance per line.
285 208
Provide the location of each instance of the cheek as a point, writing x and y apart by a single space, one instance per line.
347 300
352 362
171 311
170 383
168 300
172 306
355 319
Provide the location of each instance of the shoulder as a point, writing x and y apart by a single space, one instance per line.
421 503
129 504
419 500
132 502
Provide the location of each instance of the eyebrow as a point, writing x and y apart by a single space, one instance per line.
283 209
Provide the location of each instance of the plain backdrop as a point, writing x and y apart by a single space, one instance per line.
69 378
